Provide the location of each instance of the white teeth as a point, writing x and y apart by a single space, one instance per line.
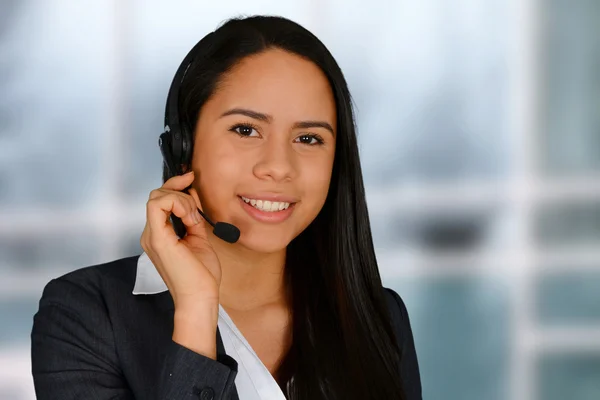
266 205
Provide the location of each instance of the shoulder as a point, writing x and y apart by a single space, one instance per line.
396 305
72 320
398 314
409 369
91 283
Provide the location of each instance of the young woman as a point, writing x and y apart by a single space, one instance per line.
294 308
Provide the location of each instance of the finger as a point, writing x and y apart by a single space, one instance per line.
193 204
194 195
198 229
160 192
159 209
179 182
194 219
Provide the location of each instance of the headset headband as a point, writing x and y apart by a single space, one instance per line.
172 125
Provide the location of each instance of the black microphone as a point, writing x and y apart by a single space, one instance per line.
223 230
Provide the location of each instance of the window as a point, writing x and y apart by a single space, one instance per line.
479 136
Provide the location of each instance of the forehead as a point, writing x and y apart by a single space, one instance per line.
278 83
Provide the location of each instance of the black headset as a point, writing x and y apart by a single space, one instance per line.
175 138
175 145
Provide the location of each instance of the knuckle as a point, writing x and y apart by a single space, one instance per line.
150 203
153 194
186 202
192 204
159 192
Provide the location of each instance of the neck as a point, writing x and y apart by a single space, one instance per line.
249 279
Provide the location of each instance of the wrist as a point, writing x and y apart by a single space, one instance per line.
196 329
199 314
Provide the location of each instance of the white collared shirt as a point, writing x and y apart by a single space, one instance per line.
253 380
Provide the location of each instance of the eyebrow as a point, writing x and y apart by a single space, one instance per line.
268 118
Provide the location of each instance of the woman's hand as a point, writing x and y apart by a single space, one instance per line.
189 266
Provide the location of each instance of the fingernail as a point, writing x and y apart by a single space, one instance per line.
198 217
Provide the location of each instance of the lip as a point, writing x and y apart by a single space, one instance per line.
270 196
265 216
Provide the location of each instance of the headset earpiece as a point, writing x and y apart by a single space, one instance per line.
176 147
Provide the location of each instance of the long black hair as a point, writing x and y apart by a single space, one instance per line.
343 344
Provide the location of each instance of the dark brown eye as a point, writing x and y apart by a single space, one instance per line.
243 130
311 140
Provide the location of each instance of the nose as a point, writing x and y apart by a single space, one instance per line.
276 161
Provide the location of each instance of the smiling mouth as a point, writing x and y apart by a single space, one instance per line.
267 205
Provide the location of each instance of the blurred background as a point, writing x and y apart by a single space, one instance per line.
479 131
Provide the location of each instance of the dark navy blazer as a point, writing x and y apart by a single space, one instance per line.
93 339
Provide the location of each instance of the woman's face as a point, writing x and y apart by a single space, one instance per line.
267 134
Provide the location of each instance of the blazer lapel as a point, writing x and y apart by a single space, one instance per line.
221 350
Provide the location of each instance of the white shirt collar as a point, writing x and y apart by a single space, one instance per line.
147 278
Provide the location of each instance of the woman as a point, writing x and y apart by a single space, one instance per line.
295 307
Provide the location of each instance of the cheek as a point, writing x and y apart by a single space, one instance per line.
317 177
218 171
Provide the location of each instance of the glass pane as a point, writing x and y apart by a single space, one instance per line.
54 102
130 243
433 230
17 319
461 329
570 376
425 112
568 223
570 143
62 250
569 298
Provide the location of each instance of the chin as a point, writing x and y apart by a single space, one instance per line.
263 243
